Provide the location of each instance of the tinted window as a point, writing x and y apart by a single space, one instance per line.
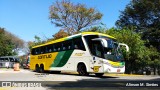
1 59
97 49
90 42
58 47
67 45
42 50
6 59
11 59
49 48
78 44
33 52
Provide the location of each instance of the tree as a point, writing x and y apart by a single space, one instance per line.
99 28
18 43
37 41
138 56
6 45
155 59
60 34
144 17
30 44
73 17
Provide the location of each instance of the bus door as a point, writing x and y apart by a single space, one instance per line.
97 51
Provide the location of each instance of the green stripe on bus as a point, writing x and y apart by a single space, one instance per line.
65 58
58 59
122 63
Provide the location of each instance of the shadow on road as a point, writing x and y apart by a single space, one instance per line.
68 73
100 84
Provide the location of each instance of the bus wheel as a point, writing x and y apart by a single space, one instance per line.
41 69
37 68
99 74
82 70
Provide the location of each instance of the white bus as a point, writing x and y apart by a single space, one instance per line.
87 52
8 61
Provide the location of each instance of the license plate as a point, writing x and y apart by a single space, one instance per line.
118 70
96 68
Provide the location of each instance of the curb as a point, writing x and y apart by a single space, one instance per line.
122 75
108 74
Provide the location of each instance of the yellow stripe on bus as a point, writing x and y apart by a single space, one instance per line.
45 59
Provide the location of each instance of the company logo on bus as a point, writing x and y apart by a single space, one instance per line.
45 56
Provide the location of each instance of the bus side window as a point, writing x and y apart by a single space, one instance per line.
49 48
33 52
38 50
78 44
41 51
54 49
58 47
64 48
67 45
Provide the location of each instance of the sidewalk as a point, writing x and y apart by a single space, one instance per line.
5 70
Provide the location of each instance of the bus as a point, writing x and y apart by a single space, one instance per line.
85 53
8 61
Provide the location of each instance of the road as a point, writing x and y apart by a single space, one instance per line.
73 80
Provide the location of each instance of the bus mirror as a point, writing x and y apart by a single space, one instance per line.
127 48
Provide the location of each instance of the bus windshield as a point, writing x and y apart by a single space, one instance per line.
114 54
97 49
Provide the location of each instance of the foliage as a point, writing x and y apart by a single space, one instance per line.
6 44
139 55
60 34
143 16
99 28
73 17
155 59
37 41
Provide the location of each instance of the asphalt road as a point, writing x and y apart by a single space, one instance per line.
29 80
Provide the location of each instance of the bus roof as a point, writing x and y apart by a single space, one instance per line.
74 36
96 33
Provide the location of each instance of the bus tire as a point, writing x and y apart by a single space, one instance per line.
82 70
41 69
37 68
99 74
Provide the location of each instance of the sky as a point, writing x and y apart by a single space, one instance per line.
27 18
